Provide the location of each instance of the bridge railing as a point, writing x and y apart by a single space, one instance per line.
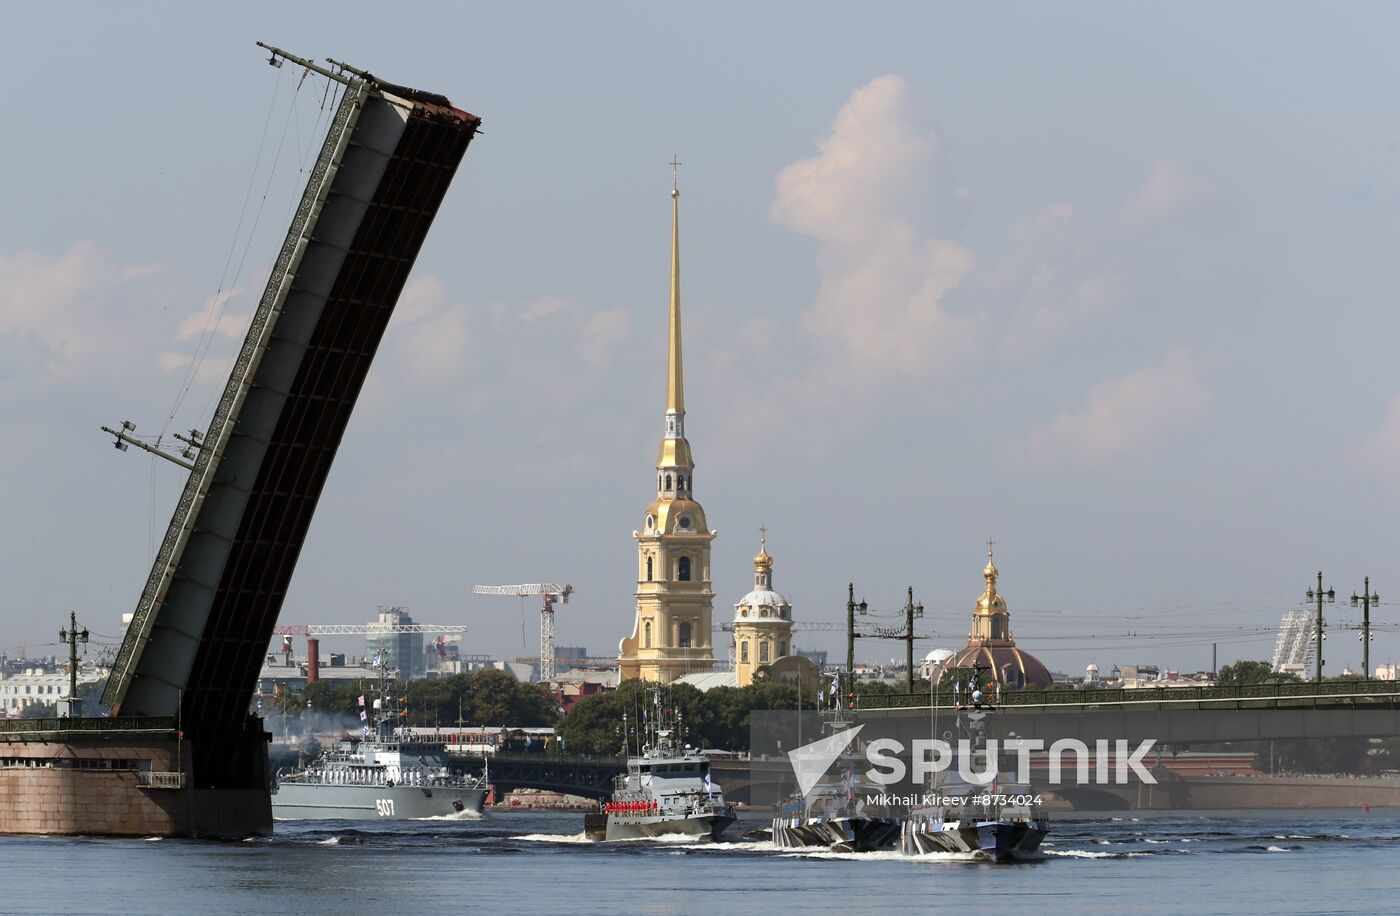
1307 693
31 728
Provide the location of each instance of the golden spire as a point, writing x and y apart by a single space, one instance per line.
675 383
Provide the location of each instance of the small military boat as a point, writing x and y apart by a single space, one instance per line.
666 791
834 813
996 821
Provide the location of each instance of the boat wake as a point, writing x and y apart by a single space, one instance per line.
454 816
555 838
1094 854
738 846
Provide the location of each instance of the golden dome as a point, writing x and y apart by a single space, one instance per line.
763 562
677 516
991 603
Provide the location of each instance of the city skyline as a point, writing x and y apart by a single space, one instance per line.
1133 328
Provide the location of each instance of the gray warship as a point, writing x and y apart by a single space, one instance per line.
834 813
666 791
377 776
1002 823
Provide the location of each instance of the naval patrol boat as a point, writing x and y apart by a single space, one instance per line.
377 776
995 821
834 813
666 791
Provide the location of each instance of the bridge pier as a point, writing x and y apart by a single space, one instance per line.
122 777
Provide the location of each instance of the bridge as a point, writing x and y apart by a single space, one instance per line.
203 621
587 777
1172 715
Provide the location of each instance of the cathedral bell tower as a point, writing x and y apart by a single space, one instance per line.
762 621
675 600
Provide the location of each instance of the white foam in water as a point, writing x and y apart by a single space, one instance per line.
763 846
944 857
154 839
332 841
886 855
1276 849
555 837
454 816
1091 854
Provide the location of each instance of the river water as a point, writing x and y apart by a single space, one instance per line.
533 862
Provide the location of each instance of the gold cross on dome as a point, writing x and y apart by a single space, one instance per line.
763 536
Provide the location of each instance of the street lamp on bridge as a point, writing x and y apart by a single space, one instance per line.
1366 599
1319 636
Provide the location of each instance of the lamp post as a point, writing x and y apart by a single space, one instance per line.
1366 599
72 635
1318 636
911 611
851 609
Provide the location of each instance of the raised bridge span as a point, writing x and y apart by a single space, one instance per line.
203 621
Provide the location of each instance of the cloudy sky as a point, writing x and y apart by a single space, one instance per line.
1113 285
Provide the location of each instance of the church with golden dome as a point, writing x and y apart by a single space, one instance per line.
762 621
990 644
675 598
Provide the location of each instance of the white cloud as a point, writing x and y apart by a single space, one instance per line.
1053 300
419 299
883 283
1050 216
171 362
1120 417
601 333
214 318
1379 455
1168 190
33 288
548 306
61 306
438 345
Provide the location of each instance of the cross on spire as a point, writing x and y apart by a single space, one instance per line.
675 167
990 544
763 536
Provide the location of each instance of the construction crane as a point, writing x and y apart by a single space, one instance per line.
550 593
